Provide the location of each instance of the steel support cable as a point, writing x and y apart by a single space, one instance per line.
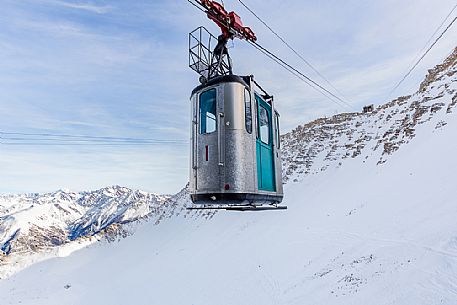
433 35
12 138
34 141
198 7
42 140
423 55
292 49
76 137
83 144
303 75
297 75
265 51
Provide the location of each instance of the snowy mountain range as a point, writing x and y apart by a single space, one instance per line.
371 220
33 225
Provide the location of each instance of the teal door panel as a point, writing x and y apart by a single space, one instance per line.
264 147
259 165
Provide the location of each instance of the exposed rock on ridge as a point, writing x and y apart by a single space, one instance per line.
373 135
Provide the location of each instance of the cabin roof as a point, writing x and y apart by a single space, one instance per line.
244 80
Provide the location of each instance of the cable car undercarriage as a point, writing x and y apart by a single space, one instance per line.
238 207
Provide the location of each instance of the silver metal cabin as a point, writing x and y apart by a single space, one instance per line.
235 144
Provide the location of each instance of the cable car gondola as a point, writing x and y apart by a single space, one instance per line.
235 161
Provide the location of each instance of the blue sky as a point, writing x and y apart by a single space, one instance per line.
119 68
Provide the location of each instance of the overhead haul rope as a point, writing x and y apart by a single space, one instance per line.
428 50
292 49
290 68
197 6
81 144
433 35
19 138
297 75
77 136
307 78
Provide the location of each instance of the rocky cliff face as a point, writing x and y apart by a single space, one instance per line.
374 135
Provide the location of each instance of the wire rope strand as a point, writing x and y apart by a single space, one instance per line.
307 78
198 7
433 35
292 49
423 55
303 75
298 76
33 142
76 137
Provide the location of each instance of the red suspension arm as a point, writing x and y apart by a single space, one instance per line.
230 23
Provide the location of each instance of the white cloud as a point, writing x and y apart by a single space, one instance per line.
83 6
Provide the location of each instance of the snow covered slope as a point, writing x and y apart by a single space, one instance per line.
34 226
371 220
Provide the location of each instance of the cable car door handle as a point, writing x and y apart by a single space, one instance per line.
219 138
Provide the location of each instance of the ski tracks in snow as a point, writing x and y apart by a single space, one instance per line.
348 272
271 286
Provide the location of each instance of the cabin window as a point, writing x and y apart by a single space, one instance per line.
248 110
208 111
278 135
264 125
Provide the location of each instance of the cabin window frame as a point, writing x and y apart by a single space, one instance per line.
278 134
203 117
269 126
248 111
